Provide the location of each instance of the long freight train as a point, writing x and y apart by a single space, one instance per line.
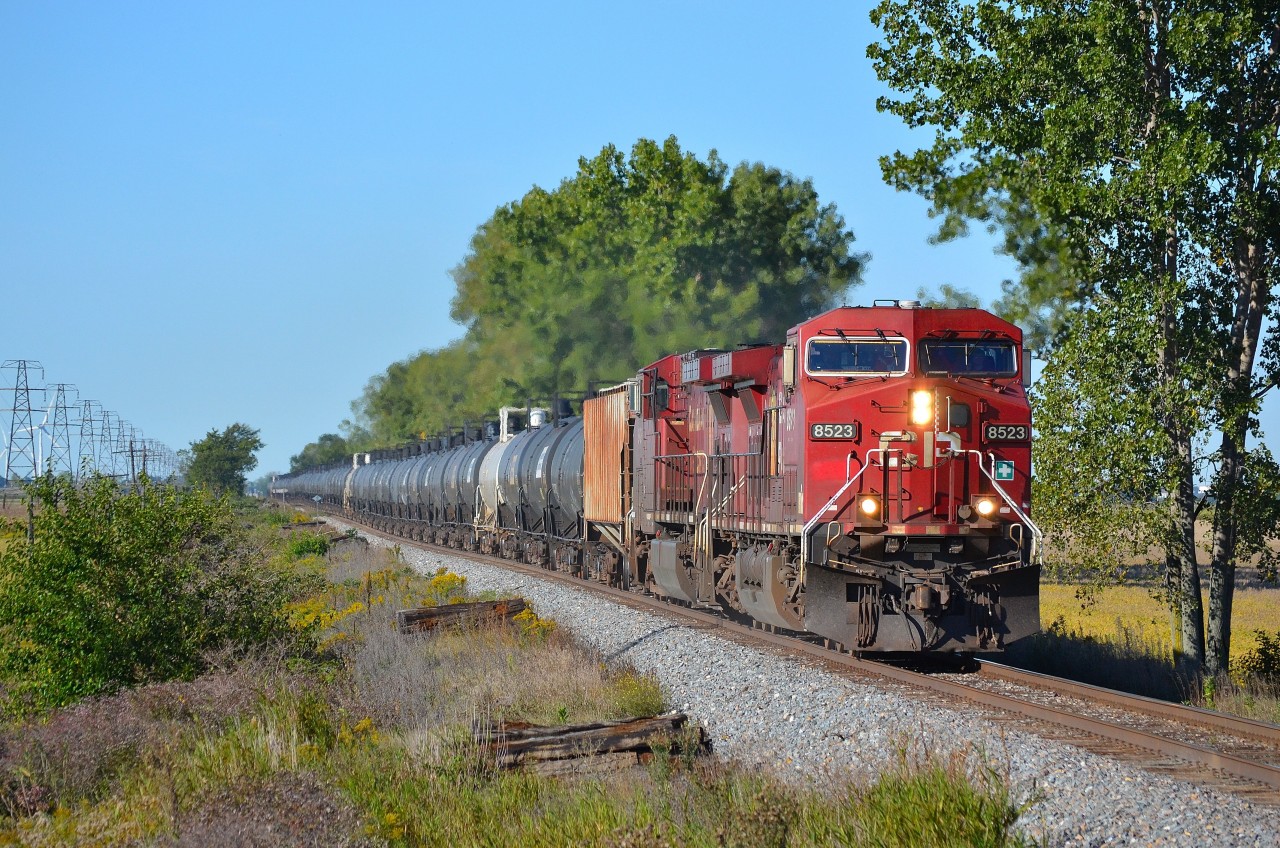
867 482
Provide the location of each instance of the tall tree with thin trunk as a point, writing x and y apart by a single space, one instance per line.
1144 137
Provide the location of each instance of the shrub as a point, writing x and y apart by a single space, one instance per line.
932 801
534 628
307 544
75 754
445 588
1263 661
636 694
273 515
117 589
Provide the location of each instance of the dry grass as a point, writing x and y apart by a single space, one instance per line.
78 751
1058 546
1126 661
13 503
1120 638
288 808
441 680
1134 615
1255 699
428 784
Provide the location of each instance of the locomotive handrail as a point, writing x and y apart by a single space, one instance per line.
817 516
706 470
1037 537
717 508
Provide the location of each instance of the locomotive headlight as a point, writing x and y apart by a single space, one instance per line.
869 506
985 507
922 407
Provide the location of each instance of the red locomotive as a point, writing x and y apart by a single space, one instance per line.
867 482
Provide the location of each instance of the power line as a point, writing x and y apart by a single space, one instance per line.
107 444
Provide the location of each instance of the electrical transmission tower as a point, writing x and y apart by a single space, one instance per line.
127 447
60 447
21 459
107 444
155 460
90 410
121 449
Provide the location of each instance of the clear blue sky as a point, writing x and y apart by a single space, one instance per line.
230 211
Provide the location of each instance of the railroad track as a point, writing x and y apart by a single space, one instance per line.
1199 746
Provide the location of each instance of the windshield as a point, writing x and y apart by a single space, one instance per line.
974 358
857 356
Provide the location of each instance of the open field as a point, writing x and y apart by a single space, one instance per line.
1120 638
12 504
1133 612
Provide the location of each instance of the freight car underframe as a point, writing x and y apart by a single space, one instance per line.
597 560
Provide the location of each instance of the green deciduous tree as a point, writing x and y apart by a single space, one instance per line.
330 447
221 459
633 257
1129 149
948 297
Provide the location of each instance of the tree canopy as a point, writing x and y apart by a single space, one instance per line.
330 447
1129 152
633 257
221 459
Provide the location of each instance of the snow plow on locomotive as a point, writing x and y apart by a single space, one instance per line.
867 482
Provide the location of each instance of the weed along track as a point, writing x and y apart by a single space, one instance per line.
1207 749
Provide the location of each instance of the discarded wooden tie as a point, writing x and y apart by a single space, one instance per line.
295 526
340 540
429 618
520 743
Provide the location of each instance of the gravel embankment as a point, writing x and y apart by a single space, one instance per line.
808 726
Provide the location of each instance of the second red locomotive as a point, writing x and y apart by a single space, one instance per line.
867 481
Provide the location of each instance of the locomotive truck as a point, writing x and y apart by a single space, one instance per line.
866 482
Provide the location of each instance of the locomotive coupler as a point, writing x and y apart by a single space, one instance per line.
929 598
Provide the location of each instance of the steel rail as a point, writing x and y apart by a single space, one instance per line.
1267 776
1225 722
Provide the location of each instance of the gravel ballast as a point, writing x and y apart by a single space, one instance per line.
810 727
